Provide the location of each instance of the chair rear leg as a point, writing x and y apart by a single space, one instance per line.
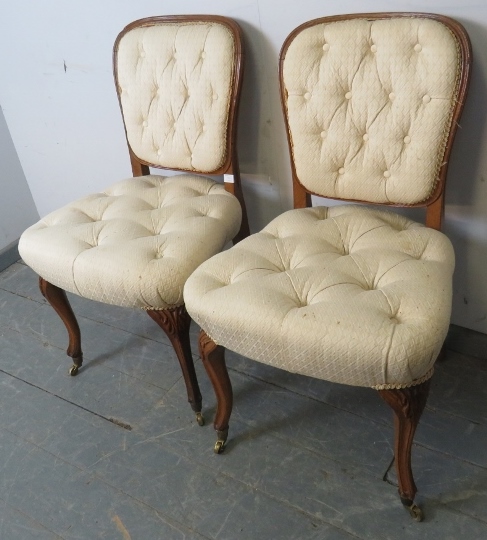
408 405
175 322
213 357
59 301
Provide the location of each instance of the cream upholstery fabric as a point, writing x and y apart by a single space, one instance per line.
370 105
347 294
136 243
179 119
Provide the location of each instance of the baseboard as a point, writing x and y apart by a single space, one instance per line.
9 255
466 341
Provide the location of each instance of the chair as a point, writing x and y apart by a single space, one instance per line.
178 80
350 294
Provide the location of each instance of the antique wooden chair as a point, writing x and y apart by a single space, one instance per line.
178 80
350 294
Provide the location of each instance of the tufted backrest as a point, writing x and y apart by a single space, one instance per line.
370 102
178 81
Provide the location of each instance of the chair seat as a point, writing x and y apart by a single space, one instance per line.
347 294
136 243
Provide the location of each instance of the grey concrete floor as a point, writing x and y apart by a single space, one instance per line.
115 453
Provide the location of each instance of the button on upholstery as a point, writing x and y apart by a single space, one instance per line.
387 174
392 96
307 95
203 54
348 95
373 48
407 139
418 47
341 170
426 99
323 134
365 136
326 47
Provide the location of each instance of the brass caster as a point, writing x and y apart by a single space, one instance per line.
219 447
73 370
416 512
199 419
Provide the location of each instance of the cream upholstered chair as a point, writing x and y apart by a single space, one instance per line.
178 80
350 294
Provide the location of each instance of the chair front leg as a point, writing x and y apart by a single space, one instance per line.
59 301
213 357
176 322
408 405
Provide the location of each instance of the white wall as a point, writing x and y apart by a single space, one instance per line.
17 208
60 105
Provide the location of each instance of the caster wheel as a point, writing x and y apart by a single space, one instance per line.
219 445
199 419
416 513
73 370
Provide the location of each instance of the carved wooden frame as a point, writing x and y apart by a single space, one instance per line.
407 403
435 204
174 321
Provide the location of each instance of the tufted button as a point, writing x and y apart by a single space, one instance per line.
392 96
341 170
203 54
348 95
387 174
215 97
326 47
373 48
407 139
142 54
418 47
426 99
203 128
307 95
159 151
144 123
323 134
365 136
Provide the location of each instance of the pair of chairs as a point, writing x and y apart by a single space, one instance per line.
350 293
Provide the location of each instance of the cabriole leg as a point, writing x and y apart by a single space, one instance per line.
213 357
408 405
175 322
59 301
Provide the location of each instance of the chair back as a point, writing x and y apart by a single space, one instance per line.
371 103
178 80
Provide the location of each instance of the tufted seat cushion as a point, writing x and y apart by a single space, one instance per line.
347 294
136 243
